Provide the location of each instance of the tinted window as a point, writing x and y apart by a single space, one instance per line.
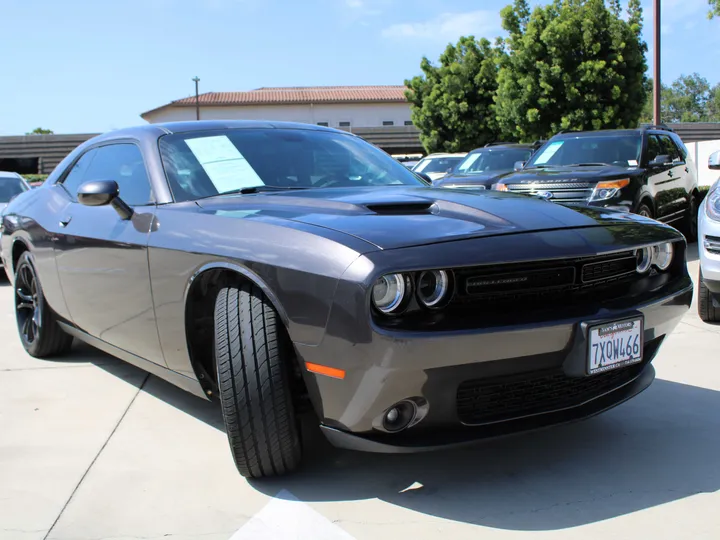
681 146
621 150
211 163
493 160
124 164
75 177
670 148
10 187
655 147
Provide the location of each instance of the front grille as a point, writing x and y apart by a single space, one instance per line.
487 401
609 269
563 192
535 284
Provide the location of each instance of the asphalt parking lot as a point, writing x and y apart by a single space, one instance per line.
92 448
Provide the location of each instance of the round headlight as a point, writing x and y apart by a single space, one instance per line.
662 255
433 287
388 292
644 259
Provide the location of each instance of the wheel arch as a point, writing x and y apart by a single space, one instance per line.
199 302
19 246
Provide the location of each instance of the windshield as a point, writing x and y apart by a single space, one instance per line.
436 164
621 150
204 164
10 187
498 159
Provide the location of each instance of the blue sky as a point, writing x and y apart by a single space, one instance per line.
92 65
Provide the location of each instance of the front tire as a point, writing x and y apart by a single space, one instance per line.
39 331
706 308
645 211
689 226
253 356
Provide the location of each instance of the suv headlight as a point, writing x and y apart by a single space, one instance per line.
607 190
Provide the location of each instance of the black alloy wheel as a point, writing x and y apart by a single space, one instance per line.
39 331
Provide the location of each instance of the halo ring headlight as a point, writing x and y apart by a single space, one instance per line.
433 288
389 292
644 259
662 255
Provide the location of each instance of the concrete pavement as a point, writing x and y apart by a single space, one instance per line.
92 448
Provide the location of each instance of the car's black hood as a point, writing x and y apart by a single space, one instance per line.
394 217
570 174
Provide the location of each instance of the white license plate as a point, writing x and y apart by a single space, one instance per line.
614 345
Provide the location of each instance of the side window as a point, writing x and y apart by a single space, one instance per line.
655 148
124 164
670 149
77 173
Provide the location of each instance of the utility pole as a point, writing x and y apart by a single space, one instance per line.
657 84
197 98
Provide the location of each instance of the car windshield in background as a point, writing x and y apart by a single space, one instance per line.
205 164
620 150
10 187
436 165
492 160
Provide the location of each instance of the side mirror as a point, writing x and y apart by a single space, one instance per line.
102 193
519 165
660 161
714 161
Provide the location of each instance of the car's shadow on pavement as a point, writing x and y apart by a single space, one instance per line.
692 253
660 447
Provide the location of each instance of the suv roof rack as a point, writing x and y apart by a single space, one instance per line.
663 127
498 143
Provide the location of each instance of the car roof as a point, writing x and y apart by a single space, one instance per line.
492 147
601 133
445 154
168 128
9 174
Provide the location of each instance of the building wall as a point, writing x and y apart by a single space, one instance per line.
358 114
699 153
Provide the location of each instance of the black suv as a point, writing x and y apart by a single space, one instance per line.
644 170
482 167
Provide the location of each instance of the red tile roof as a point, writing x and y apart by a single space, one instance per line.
296 95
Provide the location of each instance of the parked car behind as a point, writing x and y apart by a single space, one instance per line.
11 185
482 167
709 249
646 171
435 166
284 268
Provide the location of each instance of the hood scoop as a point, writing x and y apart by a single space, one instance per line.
402 208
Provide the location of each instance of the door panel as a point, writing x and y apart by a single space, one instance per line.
664 179
102 259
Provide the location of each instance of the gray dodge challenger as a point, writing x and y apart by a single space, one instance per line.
287 270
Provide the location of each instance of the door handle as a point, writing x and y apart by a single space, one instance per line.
64 222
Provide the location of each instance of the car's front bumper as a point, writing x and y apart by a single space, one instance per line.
431 367
708 243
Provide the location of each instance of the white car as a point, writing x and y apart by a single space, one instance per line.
709 249
435 166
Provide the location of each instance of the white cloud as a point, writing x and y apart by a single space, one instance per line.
449 26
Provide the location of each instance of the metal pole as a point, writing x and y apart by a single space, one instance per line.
197 99
657 84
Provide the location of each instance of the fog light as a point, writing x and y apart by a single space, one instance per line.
399 416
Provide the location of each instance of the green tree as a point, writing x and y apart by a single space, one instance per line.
573 64
40 131
690 98
452 104
714 8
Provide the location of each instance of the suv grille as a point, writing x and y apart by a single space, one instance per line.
505 398
562 192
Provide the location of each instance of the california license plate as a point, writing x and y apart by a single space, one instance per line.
614 345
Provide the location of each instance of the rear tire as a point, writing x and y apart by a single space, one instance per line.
706 309
253 356
689 224
39 331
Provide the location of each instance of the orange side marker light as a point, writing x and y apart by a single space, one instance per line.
325 370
